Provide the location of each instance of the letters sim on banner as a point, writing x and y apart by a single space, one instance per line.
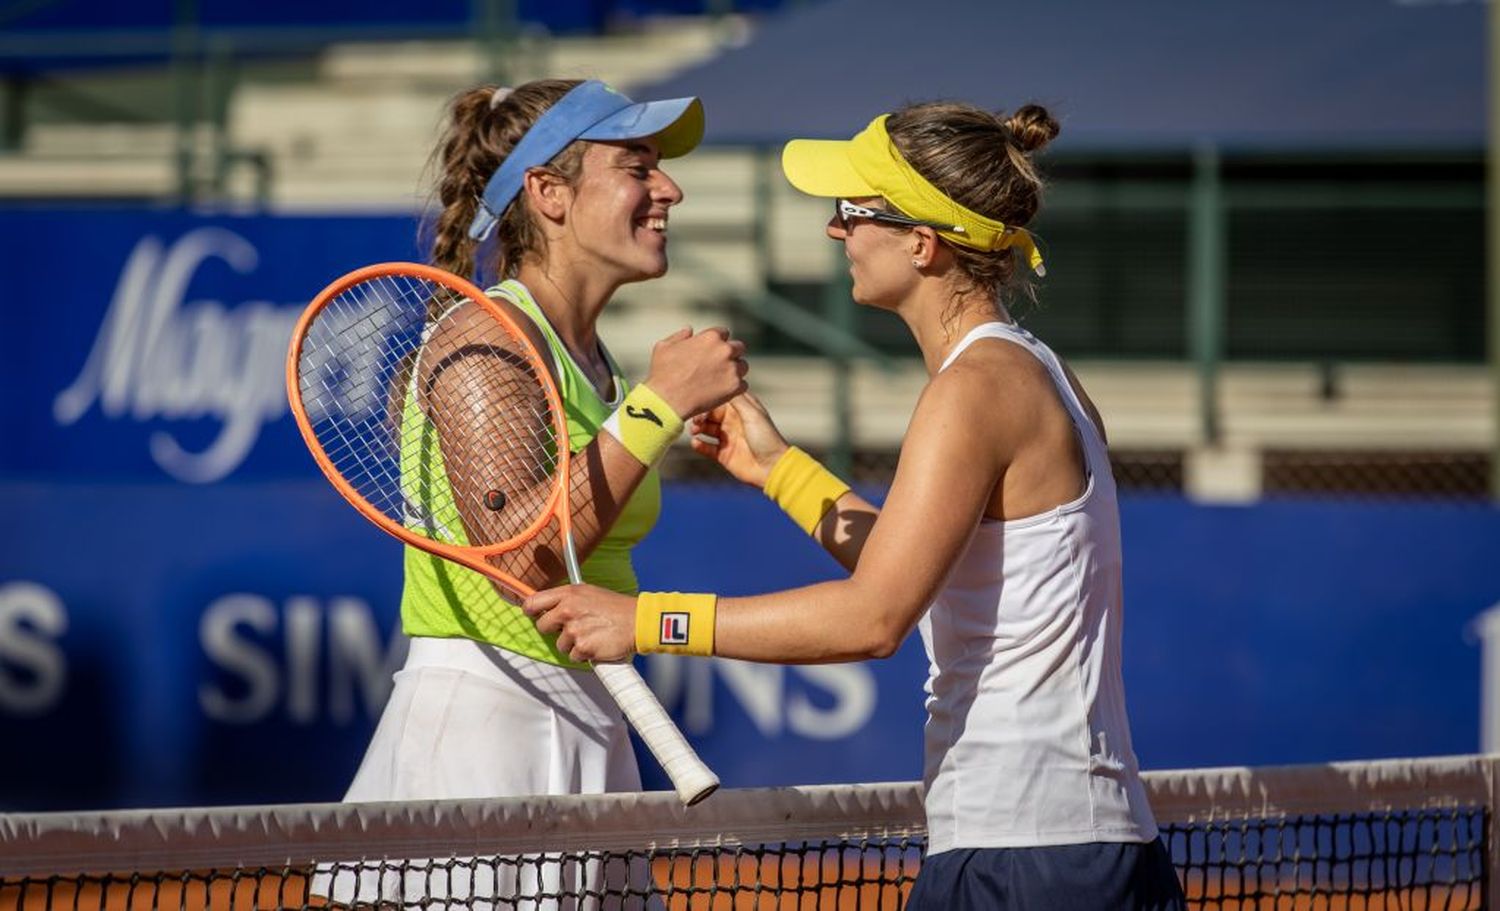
161 356
323 660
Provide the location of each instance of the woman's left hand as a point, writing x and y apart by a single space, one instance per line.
741 437
591 623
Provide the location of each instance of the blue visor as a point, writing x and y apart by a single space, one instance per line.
591 110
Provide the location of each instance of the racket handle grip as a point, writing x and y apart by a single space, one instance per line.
692 779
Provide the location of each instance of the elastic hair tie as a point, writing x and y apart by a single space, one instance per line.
500 94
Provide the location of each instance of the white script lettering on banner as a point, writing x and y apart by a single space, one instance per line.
33 669
159 356
847 703
307 660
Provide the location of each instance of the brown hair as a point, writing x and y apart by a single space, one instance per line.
983 162
479 135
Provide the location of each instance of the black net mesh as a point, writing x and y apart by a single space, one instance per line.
1429 859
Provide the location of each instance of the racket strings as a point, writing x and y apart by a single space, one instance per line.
499 368
433 412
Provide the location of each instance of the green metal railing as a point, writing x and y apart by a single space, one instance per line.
1207 297
1206 202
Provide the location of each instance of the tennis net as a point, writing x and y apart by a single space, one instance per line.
1409 834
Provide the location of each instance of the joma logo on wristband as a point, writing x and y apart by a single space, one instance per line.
643 413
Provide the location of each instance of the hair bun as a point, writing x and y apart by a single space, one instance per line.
1032 127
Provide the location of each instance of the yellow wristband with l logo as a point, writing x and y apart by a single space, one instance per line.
675 623
644 424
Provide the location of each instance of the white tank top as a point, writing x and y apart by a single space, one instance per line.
1027 740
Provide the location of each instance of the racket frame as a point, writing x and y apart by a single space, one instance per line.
468 556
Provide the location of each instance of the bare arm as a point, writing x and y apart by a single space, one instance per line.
743 439
945 477
950 463
492 424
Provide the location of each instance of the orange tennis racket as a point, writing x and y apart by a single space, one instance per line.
430 410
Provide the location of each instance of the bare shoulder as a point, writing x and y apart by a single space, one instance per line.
1022 387
964 391
983 405
952 451
1000 380
522 319
468 323
469 342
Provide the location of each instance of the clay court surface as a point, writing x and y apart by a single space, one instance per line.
704 883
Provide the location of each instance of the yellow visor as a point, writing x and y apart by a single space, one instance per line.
869 165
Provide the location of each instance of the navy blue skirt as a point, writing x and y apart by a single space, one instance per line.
1091 877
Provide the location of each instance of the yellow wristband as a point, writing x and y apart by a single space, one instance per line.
674 623
644 424
804 489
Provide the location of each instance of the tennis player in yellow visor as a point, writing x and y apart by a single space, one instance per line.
998 541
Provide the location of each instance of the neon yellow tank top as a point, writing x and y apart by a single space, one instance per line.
447 601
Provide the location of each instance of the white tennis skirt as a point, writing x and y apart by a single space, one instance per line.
467 719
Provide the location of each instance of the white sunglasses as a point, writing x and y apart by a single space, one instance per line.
844 211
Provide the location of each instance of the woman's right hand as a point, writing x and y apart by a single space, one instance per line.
695 373
748 443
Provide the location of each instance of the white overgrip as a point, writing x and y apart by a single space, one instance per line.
690 776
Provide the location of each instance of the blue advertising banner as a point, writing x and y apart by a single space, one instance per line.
151 343
189 615
167 645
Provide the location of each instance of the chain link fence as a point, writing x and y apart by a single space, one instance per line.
1459 477
1455 477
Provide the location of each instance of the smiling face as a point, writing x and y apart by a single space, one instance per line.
880 257
617 216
